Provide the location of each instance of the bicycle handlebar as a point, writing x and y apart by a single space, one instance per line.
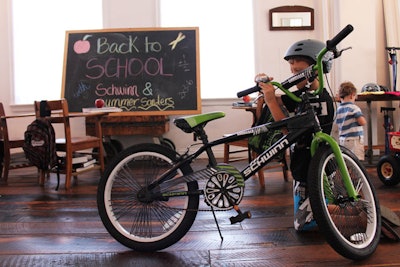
331 44
289 82
248 91
392 48
310 71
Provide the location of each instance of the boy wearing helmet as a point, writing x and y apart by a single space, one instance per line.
301 55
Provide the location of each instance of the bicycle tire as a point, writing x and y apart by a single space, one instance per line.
352 228
110 151
168 143
388 170
144 226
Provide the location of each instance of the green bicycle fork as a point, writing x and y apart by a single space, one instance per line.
320 137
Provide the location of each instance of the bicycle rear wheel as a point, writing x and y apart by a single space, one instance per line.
143 223
351 227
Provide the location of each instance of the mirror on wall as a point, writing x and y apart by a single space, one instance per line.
291 18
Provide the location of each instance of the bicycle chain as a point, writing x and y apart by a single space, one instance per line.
202 210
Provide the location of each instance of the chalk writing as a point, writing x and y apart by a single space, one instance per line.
124 68
152 46
185 89
159 103
103 46
182 63
113 90
82 88
147 90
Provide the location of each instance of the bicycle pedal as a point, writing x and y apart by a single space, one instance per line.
240 217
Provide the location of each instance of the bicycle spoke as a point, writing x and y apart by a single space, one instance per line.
351 225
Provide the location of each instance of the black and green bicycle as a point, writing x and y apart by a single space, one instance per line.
149 195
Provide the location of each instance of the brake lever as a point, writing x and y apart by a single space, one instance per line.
261 94
258 97
339 53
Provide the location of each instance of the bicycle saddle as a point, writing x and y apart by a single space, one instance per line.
189 123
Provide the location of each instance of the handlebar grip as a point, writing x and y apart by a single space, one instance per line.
248 91
331 44
299 77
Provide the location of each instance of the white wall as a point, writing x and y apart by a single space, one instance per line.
130 13
366 62
270 46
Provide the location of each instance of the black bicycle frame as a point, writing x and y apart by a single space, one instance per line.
296 126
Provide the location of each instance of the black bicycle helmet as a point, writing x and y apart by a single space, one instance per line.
371 87
309 48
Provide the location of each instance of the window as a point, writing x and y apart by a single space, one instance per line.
226 41
38 43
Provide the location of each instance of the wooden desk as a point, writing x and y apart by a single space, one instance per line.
119 124
369 98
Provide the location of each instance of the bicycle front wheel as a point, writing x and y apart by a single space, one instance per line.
145 224
351 227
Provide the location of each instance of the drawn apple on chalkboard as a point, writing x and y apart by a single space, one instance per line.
99 103
82 46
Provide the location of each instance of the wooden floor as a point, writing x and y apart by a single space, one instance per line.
43 227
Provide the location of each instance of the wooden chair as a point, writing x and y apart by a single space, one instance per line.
243 144
244 147
278 163
57 113
11 154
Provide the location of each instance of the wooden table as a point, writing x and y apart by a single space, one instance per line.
120 124
370 98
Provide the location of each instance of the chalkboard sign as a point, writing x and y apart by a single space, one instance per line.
145 71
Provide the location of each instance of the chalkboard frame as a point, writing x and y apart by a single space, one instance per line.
194 106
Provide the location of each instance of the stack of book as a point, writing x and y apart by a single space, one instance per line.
80 162
103 109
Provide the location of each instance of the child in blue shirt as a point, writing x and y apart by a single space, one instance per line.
350 120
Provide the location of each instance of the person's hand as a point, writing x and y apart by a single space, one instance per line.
261 77
267 88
